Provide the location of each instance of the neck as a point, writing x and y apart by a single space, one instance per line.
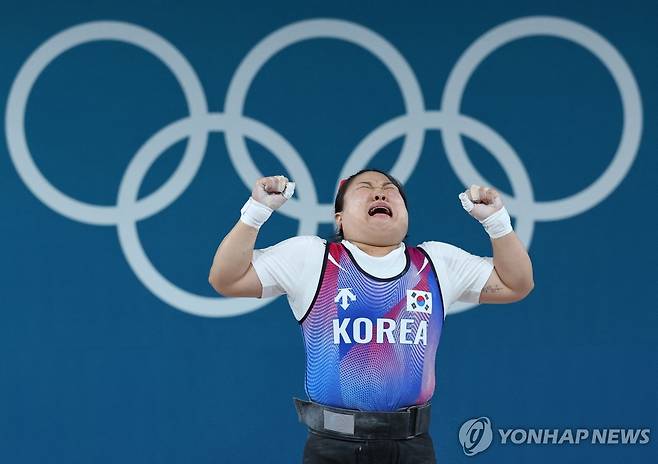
374 250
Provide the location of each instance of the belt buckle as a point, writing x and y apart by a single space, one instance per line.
338 422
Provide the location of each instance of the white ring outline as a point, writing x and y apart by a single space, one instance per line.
127 227
495 144
35 65
322 29
600 48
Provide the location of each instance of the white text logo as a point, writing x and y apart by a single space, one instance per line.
344 297
387 331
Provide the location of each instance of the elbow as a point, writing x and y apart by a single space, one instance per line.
213 282
526 290
218 284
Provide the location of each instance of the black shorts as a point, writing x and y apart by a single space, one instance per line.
321 449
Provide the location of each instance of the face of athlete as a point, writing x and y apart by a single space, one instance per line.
373 211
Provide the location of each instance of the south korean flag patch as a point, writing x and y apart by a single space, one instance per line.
419 301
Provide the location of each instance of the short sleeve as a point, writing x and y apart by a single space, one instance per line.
280 266
462 275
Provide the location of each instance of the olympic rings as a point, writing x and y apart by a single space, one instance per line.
129 209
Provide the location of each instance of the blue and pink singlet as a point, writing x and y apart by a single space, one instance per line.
371 342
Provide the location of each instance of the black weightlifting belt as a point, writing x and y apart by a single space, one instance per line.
364 425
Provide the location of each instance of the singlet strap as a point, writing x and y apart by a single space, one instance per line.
327 247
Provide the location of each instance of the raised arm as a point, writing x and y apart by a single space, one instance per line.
511 279
232 273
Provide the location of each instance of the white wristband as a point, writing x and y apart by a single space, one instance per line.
255 214
498 224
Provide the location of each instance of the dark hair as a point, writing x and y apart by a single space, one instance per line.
345 183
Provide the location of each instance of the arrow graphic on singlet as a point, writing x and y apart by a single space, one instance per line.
344 295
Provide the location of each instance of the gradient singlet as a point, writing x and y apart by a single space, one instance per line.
371 342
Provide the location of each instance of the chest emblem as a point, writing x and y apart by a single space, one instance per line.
419 301
344 297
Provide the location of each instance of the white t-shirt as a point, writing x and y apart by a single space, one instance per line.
293 267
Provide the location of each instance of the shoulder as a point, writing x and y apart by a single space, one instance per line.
298 244
440 250
309 243
451 256
463 274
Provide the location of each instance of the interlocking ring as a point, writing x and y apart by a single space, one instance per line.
129 209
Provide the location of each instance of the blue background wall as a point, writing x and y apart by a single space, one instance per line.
94 367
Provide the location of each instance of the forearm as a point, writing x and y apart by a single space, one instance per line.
231 273
233 256
512 262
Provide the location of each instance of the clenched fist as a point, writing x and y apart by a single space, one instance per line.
481 202
272 191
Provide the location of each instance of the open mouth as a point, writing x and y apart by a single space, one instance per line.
380 210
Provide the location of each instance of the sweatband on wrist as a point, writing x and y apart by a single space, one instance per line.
255 214
498 224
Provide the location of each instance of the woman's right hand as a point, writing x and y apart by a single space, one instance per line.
269 191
